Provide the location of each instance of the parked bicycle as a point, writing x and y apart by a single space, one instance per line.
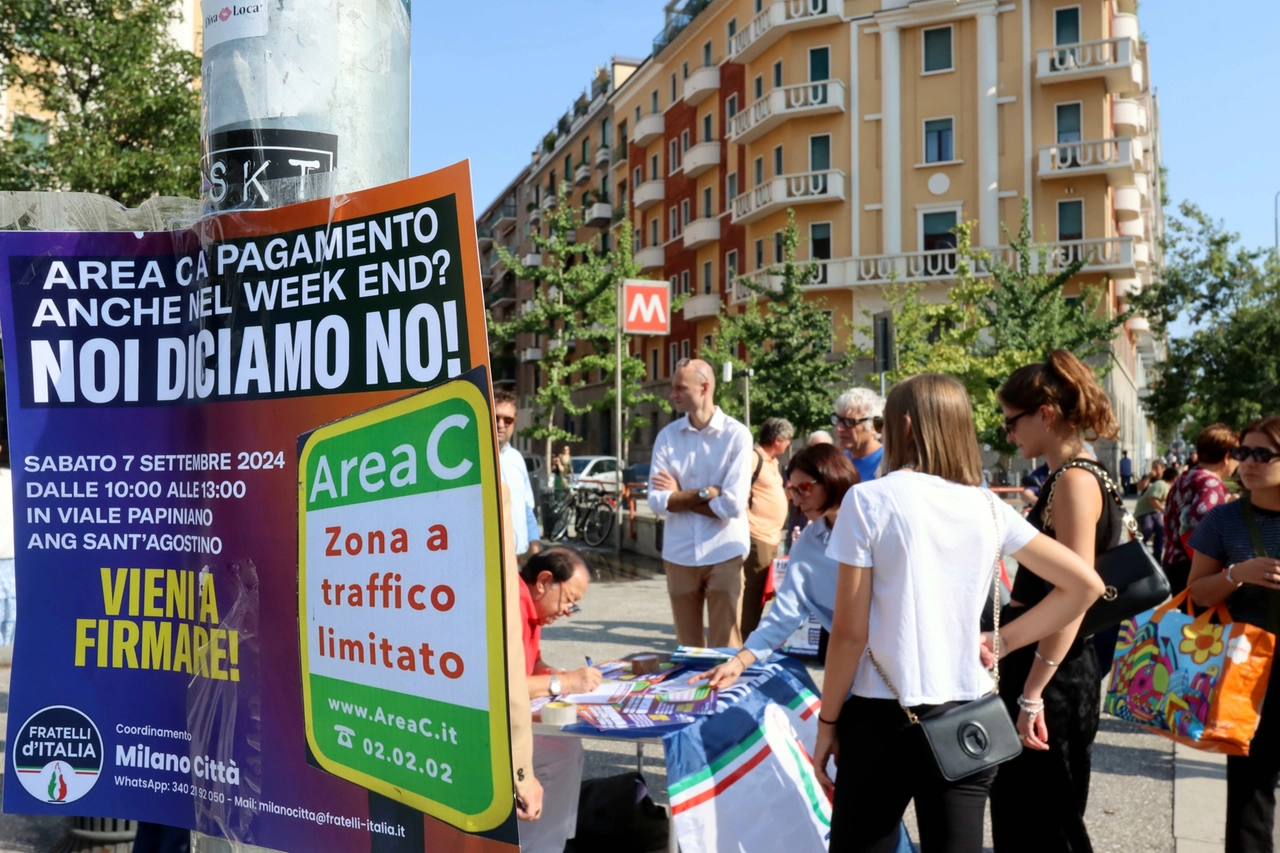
587 511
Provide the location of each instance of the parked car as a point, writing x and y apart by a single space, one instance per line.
637 477
595 472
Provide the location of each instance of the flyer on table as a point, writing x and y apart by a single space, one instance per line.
256 518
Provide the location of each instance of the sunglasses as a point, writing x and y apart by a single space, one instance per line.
1257 454
877 422
801 489
1010 424
503 419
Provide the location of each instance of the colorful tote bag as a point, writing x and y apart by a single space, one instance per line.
1198 682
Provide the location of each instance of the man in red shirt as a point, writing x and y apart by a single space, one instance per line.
552 584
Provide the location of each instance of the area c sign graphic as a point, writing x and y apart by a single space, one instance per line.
646 307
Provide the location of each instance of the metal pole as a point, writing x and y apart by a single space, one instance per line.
617 420
1276 204
746 396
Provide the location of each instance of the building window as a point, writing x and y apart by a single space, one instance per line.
820 241
604 133
31 131
937 50
938 230
673 354
673 224
820 154
706 277
731 186
759 169
653 364
1066 25
730 30
759 86
1071 220
706 55
586 149
706 343
777 74
684 141
638 176
653 101
673 86
938 141
730 268
731 106
759 6
707 212
622 132
653 232
706 128
637 113
684 213
777 247
653 167
684 288
760 254
819 64
673 157
684 348
777 161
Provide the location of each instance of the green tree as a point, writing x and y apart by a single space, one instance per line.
1220 302
123 96
788 342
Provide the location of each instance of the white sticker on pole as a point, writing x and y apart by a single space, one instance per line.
224 21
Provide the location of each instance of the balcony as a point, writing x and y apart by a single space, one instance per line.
700 158
701 306
602 157
1135 228
649 129
484 237
533 259
650 258
1127 203
779 18
582 174
620 154
504 218
597 215
535 214
787 190
1114 60
804 99
502 295
1141 255
701 84
677 20
700 232
529 354
1117 158
648 194
1128 117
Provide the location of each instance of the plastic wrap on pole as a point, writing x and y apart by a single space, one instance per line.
292 90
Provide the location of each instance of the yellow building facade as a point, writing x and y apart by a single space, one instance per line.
882 124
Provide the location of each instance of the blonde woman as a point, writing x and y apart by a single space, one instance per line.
916 551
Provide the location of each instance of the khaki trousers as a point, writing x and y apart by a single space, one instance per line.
719 588
755 572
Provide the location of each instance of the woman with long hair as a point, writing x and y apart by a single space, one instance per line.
917 552
1196 492
817 479
1038 801
1225 567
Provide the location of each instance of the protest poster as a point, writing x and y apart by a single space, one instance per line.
166 394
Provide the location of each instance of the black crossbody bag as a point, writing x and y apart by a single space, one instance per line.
969 738
1134 580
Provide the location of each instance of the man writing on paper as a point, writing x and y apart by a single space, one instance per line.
700 480
552 584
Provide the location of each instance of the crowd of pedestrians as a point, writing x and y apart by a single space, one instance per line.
895 546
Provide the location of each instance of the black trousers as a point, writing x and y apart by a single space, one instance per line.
1039 799
887 765
1251 782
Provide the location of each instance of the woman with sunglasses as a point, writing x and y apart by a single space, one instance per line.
1053 689
1225 567
817 479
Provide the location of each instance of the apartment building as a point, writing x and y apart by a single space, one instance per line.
882 124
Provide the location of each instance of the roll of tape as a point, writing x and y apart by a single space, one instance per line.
644 664
559 713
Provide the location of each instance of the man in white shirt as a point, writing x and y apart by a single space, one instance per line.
700 480
524 522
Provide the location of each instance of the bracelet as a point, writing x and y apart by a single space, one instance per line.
1233 580
1045 660
828 722
1032 709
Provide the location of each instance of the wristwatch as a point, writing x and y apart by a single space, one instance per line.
556 687
704 494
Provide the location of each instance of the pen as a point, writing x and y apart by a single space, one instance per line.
589 663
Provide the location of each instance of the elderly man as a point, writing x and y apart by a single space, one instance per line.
515 473
858 419
700 479
766 516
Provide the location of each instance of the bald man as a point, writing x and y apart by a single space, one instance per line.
700 479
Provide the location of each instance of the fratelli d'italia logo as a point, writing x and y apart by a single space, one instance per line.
58 754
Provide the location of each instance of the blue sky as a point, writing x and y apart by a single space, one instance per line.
491 77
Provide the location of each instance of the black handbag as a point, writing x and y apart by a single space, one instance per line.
974 736
1134 580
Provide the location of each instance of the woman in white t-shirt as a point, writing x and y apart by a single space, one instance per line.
917 555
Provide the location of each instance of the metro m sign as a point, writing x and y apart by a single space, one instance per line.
646 307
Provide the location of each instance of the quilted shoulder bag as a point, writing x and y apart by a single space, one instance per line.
1134 580
971 737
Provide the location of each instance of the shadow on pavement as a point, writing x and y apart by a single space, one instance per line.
31 833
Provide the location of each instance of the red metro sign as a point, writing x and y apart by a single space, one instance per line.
646 307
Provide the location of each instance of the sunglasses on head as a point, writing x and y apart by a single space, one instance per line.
877 422
1257 454
799 489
